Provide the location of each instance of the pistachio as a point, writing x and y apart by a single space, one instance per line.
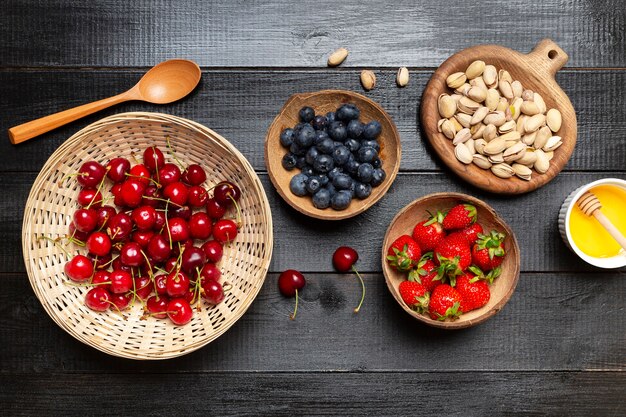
522 171
503 104
446 106
463 119
495 146
542 163
515 152
520 122
505 88
402 78
478 82
463 154
530 108
508 113
477 130
539 100
490 132
477 93
457 125
510 138
534 122
456 98
516 107
337 57
549 155
490 76
467 105
529 138
492 99
503 170
496 159
446 127
456 80
470 145
479 115
504 75
517 88
554 120
463 89
507 127
528 158
481 161
542 137
479 145
553 143
475 69
528 95
368 79
461 136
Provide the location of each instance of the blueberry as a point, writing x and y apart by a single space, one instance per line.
353 145
377 163
306 114
321 199
341 154
372 143
319 122
286 137
311 155
365 172
342 181
362 191
297 150
352 166
320 135
297 185
331 116
326 146
366 154
301 162
337 131
307 170
372 130
337 144
352 188
355 129
378 177
341 200
331 189
348 112
312 185
297 128
323 179
335 171
305 136
289 161
323 164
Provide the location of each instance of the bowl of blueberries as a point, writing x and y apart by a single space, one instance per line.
332 154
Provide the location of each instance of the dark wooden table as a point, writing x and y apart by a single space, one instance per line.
557 348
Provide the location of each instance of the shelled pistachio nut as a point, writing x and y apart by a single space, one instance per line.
337 57
402 78
368 79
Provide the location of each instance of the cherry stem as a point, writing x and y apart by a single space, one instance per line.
103 266
356 310
68 176
227 287
93 199
239 221
85 284
56 243
167 226
132 155
116 307
145 178
295 310
169 145
161 199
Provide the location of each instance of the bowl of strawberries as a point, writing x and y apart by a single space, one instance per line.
450 261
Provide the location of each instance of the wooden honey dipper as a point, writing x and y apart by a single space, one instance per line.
590 205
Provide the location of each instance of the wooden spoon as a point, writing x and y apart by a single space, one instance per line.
590 205
164 83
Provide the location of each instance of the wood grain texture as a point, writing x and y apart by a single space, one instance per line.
277 33
241 104
533 218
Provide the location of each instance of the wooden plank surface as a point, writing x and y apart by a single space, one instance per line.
275 34
241 104
288 394
328 336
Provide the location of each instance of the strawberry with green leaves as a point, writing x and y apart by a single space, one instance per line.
404 253
453 255
429 232
474 292
488 252
425 272
414 295
445 302
489 276
459 217
470 233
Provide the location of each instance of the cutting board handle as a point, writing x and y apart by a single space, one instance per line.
548 55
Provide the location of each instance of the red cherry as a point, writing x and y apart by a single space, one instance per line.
100 262
168 174
116 190
132 192
121 301
200 225
194 175
90 174
289 281
344 257
130 254
120 227
213 250
160 281
177 284
74 233
179 311
210 272
79 268
191 259
117 169
213 292
89 197
98 299
141 173
85 220
197 197
105 213
170 264
159 248
143 287
177 192
102 277
214 209
159 221
99 244
150 196
157 306
183 212
142 237
144 217
225 230
121 281
153 158
225 192
178 229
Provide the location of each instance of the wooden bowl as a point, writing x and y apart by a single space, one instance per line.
536 71
49 211
323 102
501 289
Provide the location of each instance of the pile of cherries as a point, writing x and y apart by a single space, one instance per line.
152 245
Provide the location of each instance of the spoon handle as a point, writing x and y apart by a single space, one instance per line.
606 223
28 130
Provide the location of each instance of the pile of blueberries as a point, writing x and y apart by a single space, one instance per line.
337 156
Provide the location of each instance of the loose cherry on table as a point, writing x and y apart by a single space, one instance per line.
344 259
289 282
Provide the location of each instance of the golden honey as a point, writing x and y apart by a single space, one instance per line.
588 234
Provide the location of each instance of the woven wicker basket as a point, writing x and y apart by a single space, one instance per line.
49 211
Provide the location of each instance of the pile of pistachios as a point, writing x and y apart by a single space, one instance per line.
496 124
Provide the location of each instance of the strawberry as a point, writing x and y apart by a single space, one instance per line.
459 217
429 232
489 276
488 252
453 255
425 272
470 233
445 302
474 293
414 295
403 253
